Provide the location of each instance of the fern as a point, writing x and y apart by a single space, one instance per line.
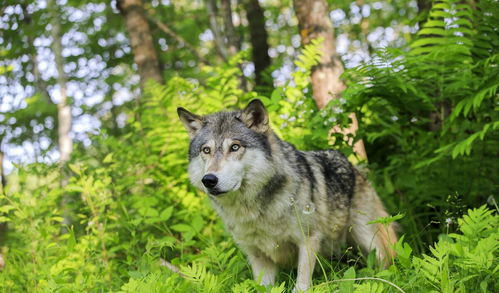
429 115
471 258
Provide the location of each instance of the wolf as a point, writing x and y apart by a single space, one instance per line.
282 206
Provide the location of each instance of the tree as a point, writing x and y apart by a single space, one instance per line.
259 40
3 183
211 6
314 23
141 39
63 107
233 42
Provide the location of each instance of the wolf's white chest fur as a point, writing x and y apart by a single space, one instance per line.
272 233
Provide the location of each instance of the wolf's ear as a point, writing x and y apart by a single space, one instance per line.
255 116
192 122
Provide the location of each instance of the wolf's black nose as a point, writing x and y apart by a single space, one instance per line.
209 180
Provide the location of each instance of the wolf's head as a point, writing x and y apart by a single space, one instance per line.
228 150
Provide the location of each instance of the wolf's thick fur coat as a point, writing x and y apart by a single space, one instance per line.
282 206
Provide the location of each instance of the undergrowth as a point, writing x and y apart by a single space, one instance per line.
429 117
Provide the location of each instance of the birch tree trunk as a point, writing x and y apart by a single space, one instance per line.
63 108
259 40
314 22
141 40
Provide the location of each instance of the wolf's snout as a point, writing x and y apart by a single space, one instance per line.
209 180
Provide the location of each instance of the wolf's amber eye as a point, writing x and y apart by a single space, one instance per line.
206 150
235 147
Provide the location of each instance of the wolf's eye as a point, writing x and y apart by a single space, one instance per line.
206 150
235 147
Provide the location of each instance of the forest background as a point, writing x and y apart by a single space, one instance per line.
94 194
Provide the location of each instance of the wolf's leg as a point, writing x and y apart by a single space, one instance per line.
307 255
261 263
366 207
374 236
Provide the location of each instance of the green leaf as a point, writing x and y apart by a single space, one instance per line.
166 214
75 168
347 286
108 158
387 220
181 228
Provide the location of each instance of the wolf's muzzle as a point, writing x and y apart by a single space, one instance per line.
209 180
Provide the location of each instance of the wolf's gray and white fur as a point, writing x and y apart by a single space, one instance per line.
282 206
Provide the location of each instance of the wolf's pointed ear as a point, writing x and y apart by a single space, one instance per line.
255 116
192 122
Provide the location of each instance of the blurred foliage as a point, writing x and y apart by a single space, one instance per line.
128 203
98 58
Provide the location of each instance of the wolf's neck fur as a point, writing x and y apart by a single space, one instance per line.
262 183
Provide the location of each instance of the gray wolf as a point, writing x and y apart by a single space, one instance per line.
282 206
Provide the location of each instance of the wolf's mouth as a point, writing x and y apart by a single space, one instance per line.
214 191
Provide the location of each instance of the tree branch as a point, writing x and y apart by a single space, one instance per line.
163 27
171 267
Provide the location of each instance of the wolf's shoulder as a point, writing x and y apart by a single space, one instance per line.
333 157
338 172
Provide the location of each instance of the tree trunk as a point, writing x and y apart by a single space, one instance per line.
259 40
211 6
3 179
3 182
233 42
141 40
2 262
63 107
314 22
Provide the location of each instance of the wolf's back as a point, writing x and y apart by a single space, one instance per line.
333 182
326 173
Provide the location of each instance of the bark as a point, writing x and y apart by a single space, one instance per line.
233 42
259 40
3 180
141 40
211 6
313 23
63 107
437 117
